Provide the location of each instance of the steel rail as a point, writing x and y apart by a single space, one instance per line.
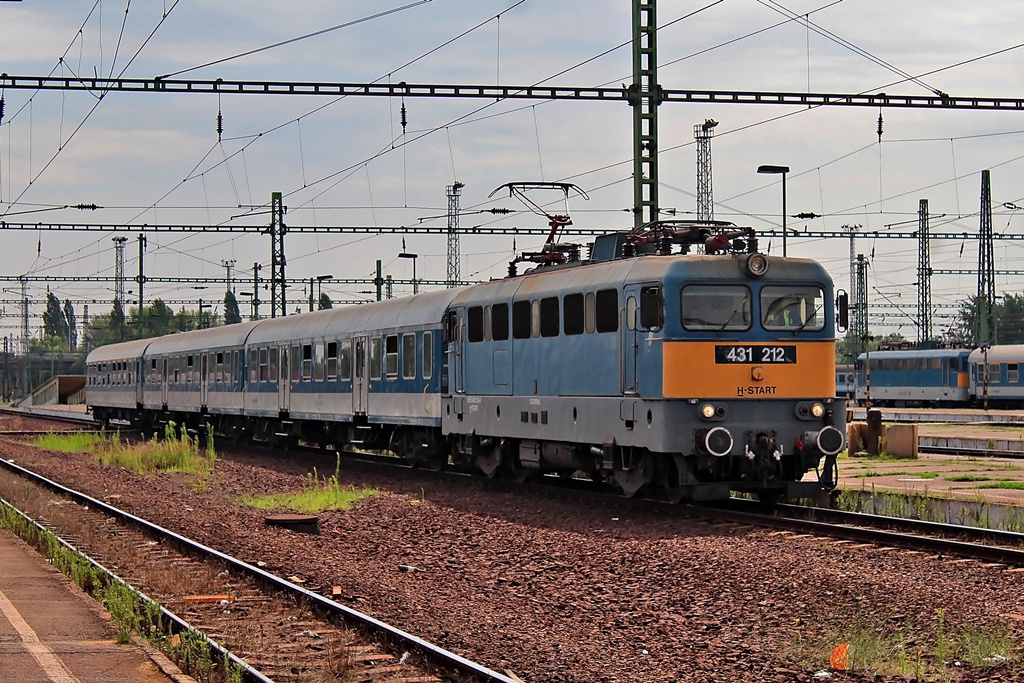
988 553
180 625
437 655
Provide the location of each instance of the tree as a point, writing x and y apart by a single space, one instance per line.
325 302
72 322
1007 312
54 323
117 319
231 313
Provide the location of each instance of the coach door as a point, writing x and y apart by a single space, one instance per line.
454 330
631 339
204 376
360 372
284 381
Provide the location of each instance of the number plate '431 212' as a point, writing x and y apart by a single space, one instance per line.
755 354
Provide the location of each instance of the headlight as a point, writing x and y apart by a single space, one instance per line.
817 410
757 265
707 411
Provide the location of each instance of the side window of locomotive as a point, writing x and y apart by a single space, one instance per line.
792 307
572 314
487 323
307 362
475 323
590 312
606 311
534 318
631 309
652 308
428 348
318 361
391 356
375 358
521 319
345 361
499 322
715 307
549 316
273 367
332 361
409 356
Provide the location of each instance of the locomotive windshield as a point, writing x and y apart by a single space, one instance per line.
715 307
792 307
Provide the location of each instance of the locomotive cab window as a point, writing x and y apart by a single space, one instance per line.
792 307
652 308
715 307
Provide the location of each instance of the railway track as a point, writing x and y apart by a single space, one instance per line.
260 598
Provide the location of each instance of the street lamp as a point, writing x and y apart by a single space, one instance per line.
415 283
771 170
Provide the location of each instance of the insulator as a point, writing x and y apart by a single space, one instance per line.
220 125
1 109
404 119
879 126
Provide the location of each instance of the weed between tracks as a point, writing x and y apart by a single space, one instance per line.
317 495
875 647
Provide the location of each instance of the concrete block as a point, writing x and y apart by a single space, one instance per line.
901 440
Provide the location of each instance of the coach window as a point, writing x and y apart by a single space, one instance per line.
535 318
652 308
572 314
995 373
307 362
218 371
264 370
332 361
273 374
499 322
1012 373
296 363
521 319
409 356
191 368
391 356
606 312
318 361
549 317
428 348
715 307
345 371
375 358
474 323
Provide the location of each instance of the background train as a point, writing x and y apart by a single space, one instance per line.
942 377
689 375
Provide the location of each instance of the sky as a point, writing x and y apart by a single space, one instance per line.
155 158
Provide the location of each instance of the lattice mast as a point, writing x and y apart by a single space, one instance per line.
644 96
119 269
702 133
454 260
924 275
859 319
278 284
986 269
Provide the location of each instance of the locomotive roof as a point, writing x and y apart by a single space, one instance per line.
121 351
196 340
411 311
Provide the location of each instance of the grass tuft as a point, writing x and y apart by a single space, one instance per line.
317 495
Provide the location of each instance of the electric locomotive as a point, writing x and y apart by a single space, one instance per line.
690 374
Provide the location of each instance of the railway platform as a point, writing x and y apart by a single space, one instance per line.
51 632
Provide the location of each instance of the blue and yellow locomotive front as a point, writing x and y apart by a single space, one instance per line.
747 361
